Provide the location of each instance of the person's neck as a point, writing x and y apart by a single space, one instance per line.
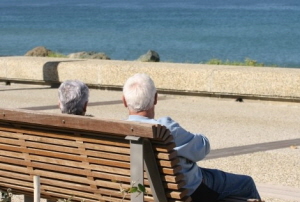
148 113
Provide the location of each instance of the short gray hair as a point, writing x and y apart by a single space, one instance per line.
139 92
73 94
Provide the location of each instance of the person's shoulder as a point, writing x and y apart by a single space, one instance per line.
166 120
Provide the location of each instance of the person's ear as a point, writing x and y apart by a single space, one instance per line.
85 106
155 99
124 101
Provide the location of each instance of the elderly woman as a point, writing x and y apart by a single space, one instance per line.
73 97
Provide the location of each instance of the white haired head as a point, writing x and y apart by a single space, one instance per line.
73 97
139 93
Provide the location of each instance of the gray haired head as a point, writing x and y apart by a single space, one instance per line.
139 92
73 96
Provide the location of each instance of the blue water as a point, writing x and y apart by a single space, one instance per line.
180 31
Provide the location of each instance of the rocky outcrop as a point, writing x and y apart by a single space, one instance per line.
39 51
89 55
150 56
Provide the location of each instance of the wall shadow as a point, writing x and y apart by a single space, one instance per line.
50 73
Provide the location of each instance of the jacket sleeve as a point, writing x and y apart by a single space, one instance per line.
191 146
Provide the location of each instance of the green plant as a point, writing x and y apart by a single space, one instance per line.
6 195
250 62
56 55
132 189
246 62
214 61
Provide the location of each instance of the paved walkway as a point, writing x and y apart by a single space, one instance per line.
282 193
233 151
257 138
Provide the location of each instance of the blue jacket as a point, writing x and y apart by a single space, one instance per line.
190 148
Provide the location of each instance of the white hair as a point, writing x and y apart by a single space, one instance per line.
73 95
139 92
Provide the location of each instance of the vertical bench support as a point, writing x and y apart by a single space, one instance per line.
37 188
156 185
136 165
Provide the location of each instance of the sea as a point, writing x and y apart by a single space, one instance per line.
180 31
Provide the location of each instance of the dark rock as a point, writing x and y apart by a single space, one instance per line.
89 55
150 56
39 51
239 99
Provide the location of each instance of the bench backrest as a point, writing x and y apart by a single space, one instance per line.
87 158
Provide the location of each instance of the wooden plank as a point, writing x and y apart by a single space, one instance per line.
61 176
166 134
11 150
163 147
13 175
107 148
85 137
55 195
18 169
106 193
57 183
7 135
116 174
158 131
62 161
175 186
65 196
97 153
80 123
172 178
65 168
71 192
116 162
177 194
15 182
67 149
170 171
107 155
103 191
57 141
67 177
166 140
16 187
166 156
11 142
170 163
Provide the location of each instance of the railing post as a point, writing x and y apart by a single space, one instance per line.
136 165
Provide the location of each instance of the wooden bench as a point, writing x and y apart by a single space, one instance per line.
87 158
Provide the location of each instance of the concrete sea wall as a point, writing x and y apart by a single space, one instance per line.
209 80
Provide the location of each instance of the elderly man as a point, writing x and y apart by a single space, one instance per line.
73 97
204 185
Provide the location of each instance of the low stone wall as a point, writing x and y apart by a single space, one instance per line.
213 80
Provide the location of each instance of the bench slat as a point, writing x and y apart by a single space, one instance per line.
17 188
81 123
16 182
